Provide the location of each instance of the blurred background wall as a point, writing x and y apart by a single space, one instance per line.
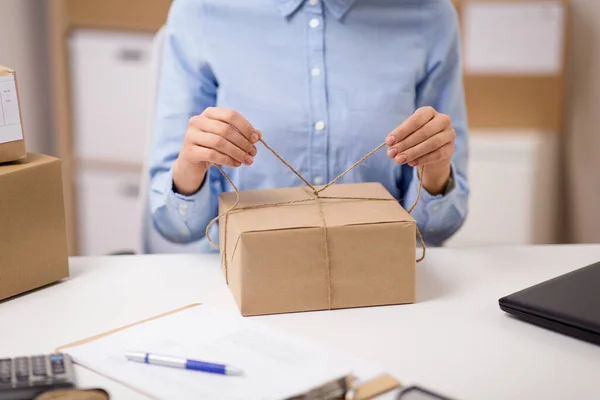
582 140
85 75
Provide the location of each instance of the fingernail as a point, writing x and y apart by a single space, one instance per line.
253 151
401 158
237 163
390 140
413 163
253 137
392 152
248 160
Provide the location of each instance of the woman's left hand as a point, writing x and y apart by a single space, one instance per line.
426 138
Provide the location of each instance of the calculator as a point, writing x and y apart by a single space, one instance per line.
23 378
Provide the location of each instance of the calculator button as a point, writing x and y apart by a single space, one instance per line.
38 365
58 369
5 370
57 364
22 369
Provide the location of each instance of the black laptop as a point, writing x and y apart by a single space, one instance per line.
569 304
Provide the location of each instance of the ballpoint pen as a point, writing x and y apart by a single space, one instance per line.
183 363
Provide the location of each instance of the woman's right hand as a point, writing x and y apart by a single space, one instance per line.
217 136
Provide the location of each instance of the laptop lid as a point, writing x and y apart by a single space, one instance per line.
569 303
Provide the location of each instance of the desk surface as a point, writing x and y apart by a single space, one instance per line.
455 339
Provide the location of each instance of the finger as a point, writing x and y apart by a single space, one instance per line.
443 153
229 132
214 156
420 117
438 124
426 147
222 145
234 118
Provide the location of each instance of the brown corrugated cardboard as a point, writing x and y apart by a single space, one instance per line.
527 102
33 245
12 143
318 255
144 15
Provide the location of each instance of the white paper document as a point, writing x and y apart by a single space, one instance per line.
10 118
514 38
276 365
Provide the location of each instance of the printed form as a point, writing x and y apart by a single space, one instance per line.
276 365
10 118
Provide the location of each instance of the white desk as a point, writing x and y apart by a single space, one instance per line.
455 339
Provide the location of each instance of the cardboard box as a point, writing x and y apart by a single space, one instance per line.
318 255
118 14
511 99
12 143
33 241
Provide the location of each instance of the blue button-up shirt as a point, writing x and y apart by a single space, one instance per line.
325 81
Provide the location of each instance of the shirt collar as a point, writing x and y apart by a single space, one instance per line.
337 7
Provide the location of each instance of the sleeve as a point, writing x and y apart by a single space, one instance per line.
439 217
186 87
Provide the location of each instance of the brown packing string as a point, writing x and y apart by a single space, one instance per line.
326 242
303 179
237 201
340 176
412 207
315 197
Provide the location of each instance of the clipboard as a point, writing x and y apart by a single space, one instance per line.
364 391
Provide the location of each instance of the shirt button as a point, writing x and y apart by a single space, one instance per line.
314 23
318 180
319 126
436 207
313 2
315 72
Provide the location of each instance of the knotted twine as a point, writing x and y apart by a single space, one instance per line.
316 197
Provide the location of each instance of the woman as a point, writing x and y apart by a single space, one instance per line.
324 82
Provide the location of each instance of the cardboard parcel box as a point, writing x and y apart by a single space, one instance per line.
320 254
33 242
12 143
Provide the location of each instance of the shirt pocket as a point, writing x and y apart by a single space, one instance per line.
385 94
377 111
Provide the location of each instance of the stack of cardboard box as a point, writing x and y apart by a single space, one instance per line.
33 247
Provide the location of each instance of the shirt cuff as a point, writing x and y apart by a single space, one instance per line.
186 207
180 218
427 197
438 216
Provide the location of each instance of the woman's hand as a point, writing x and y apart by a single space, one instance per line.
425 138
218 135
